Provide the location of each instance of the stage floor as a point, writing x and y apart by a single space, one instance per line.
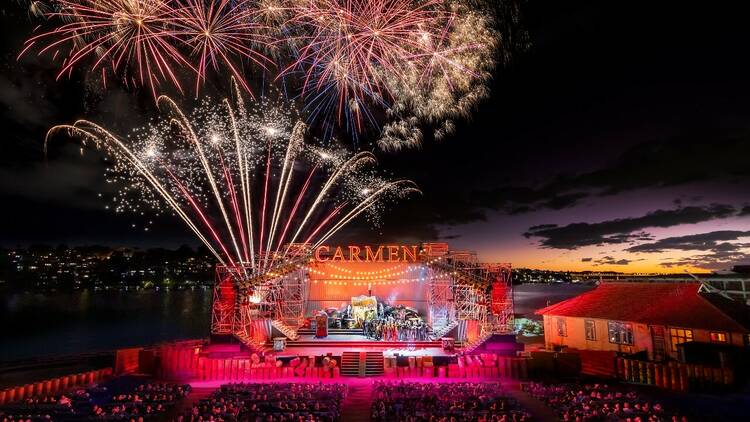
387 350
307 344
350 337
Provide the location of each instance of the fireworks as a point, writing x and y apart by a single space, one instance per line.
242 180
147 42
217 30
352 46
449 82
356 64
122 34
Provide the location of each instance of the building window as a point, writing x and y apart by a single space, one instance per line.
590 327
680 335
718 337
562 329
620 332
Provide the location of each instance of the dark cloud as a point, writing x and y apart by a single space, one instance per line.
712 241
695 157
720 260
609 260
586 259
718 252
623 230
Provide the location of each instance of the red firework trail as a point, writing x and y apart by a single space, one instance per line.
351 45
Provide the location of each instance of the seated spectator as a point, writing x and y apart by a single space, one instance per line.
273 402
125 402
598 402
443 402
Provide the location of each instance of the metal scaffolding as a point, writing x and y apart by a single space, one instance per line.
440 301
290 294
222 313
279 294
470 303
479 292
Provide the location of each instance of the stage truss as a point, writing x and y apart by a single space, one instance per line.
461 290
475 291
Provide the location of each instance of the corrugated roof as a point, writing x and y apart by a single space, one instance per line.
672 304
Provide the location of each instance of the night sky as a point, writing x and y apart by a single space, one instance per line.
619 140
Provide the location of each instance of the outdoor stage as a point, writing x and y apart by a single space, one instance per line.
448 292
356 310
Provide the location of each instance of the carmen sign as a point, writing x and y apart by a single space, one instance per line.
388 253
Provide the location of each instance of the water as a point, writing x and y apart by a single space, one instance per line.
37 325
56 324
527 298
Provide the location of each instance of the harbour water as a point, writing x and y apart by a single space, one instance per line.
56 324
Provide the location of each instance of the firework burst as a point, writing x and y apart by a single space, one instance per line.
448 81
120 34
394 66
217 31
352 46
242 180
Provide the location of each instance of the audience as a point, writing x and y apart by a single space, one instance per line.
130 399
599 402
444 402
121 400
273 402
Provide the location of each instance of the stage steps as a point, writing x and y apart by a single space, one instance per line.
374 364
362 364
471 346
350 364
252 343
442 332
285 329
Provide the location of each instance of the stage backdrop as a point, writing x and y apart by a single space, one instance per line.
332 285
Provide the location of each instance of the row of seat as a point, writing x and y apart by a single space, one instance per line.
54 385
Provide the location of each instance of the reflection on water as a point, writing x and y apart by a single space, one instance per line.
35 324
528 298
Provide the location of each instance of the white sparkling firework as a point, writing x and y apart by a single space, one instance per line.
446 80
243 180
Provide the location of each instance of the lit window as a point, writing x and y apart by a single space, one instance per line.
718 337
590 328
680 335
620 332
562 329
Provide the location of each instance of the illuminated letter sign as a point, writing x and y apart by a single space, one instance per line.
352 253
338 255
370 257
318 251
410 253
393 253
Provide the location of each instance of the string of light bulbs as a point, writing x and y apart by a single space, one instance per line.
360 273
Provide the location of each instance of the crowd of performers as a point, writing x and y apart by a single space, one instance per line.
398 323
391 329
381 322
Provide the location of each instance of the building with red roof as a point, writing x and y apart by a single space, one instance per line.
632 317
